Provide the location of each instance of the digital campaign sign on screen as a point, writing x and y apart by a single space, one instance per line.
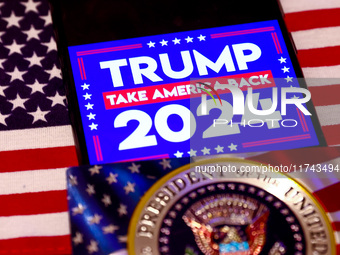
221 90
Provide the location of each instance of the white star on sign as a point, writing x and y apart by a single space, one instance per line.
14 48
92 247
89 106
87 96
112 178
78 210
165 163
90 189
289 79
93 126
95 219
85 86
95 169
122 210
219 149
232 147
151 44
13 20
282 60
51 45
78 238
205 151
189 39
31 6
18 102
16 74
192 153
54 72
201 38
164 43
34 60
285 69
32 33
130 187
91 116
178 154
57 99
37 87
134 168
294 97
39 115
106 200
177 41
110 229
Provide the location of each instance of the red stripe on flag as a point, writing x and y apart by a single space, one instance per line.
325 95
312 19
56 245
33 203
338 249
325 197
298 156
38 159
327 56
336 225
332 134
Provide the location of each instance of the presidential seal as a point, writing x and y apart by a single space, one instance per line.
219 207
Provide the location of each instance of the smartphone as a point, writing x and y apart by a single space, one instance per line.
161 79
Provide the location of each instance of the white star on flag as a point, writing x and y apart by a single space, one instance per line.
13 20
16 74
3 118
134 168
78 210
37 87
18 102
78 238
151 44
122 210
95 219
205 151
51 45
282 60
57 99
201 38
112 178
31 6
177 41
164 43
189 39
92 247
90 189
32 33
34 60
54 72
91 116
130 187
232 147
95 169
14 48
73 180
39 115
106 200
110 229
93 126
165 163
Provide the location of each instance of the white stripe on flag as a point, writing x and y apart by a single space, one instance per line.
328 114
32 181
34 138
315 82
317 38
335 216
337 237
50 224
322 72
307 5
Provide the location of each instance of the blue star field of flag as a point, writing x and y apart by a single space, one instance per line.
102 199
31 89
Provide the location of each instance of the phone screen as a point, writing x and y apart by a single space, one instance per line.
167 79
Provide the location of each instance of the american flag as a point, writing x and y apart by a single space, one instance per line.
36 142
